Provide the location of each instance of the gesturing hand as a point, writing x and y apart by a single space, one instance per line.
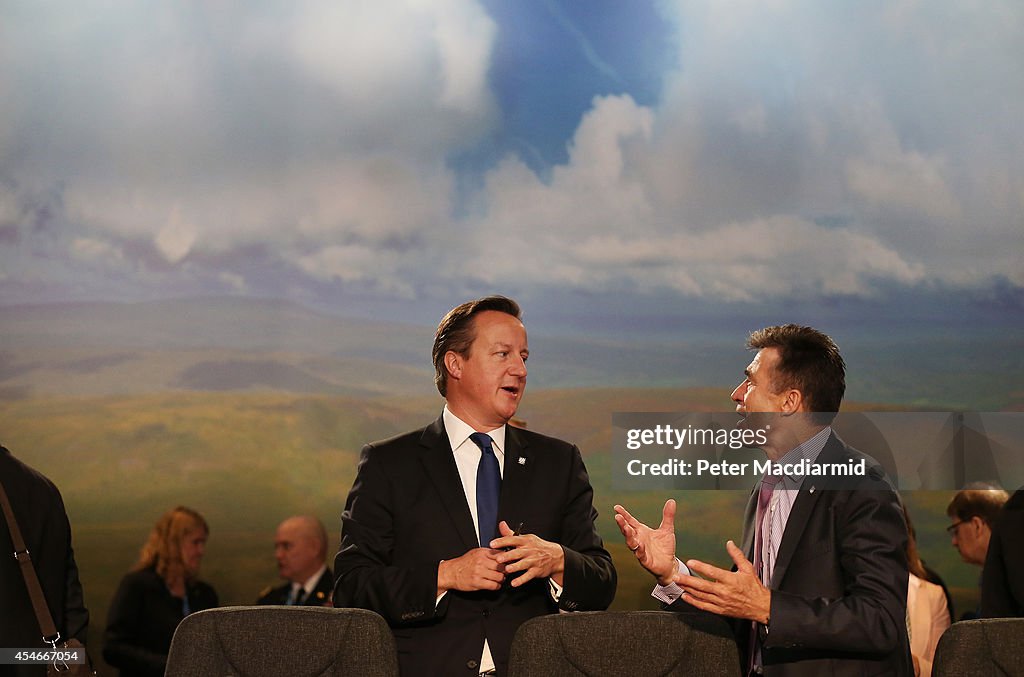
739 593
477 569
655 549
529 553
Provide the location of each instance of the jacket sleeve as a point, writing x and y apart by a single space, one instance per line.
590 578
49 540
367 576
76 616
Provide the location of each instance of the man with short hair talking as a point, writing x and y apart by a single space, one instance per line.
819 585
459 532
300 548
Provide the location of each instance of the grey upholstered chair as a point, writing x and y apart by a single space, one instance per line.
252 641
989 647
615 643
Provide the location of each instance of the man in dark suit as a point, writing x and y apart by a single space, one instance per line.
300 547
426 540
820 583
1002 579
43 522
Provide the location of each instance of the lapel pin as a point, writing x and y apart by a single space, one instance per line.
522 460
812 490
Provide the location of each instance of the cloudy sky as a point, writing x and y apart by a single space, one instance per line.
410 153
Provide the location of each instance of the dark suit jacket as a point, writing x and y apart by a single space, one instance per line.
407 511
320 596
1002 579
839 586
142 619
43 523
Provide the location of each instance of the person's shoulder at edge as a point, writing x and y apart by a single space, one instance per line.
401 440
142 578
204 593
35 476
531 438
875 476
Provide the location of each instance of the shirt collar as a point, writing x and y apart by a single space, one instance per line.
809 450
310 583
459 431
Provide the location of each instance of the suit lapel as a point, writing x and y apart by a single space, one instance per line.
439 465
803 508
516 478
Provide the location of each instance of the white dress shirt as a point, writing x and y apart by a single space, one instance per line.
467 459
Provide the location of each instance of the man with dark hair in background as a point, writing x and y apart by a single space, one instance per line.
39 511
426 540
300 548
820 583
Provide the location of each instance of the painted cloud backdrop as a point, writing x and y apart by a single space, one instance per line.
411 149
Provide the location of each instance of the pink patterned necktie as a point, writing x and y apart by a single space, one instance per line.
764 497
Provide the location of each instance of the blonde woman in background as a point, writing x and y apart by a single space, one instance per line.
927 612
162 588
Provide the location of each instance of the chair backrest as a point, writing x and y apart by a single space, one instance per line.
614 643
986 646
298 641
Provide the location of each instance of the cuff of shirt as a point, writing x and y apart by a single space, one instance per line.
671 592
441 596
555 589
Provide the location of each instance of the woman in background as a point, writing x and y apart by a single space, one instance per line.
927 611
162 589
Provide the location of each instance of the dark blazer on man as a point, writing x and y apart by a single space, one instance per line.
1002 579
39 511
407 511
839 585
320 596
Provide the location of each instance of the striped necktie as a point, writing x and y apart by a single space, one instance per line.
767 533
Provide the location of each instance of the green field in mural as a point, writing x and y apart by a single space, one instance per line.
247 459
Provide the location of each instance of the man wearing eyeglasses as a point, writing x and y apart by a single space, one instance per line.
974 511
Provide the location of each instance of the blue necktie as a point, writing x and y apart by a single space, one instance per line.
294 596
488 488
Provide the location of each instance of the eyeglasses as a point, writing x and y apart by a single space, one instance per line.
951 529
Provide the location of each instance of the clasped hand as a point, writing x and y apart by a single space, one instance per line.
487 568
529 554
477 569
